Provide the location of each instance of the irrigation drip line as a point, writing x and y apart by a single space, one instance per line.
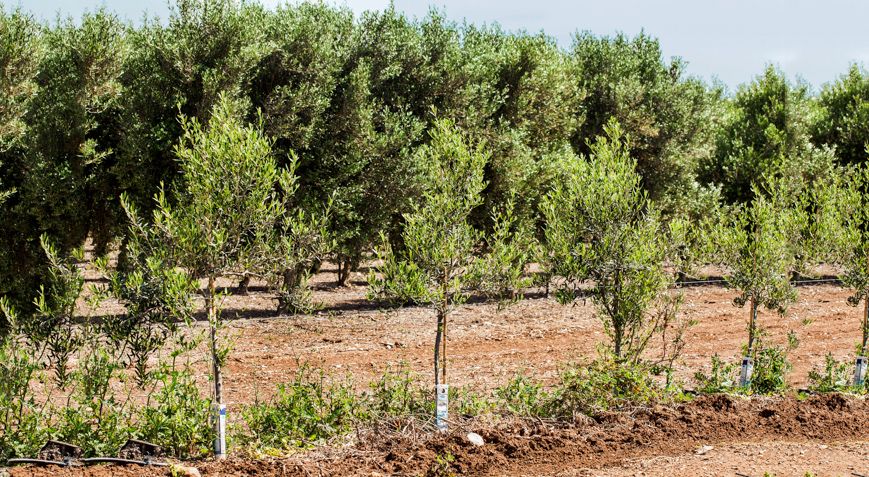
793 282
722 281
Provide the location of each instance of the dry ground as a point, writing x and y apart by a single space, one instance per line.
488 345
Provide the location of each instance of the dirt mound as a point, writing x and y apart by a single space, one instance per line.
537 447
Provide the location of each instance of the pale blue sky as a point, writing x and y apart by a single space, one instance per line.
730 40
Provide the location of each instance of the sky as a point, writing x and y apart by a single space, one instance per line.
730 41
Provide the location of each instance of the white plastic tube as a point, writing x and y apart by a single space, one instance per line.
220 439
442 410
745 372
860 371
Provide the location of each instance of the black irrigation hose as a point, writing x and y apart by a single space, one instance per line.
61 463
806 281
722 281
116 460
88 461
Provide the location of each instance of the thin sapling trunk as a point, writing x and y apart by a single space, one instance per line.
220 410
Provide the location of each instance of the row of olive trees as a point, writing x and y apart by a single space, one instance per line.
604 237
90 109
234 216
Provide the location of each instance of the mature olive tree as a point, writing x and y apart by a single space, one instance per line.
62 132
602 230
670 116
20 54
765 135
842 120
205 49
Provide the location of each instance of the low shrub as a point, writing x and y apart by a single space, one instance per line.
603 385
771 367
22 418
722 377
835 376
522 396
769 376
398 395
307 409
177 417
469 403
95 418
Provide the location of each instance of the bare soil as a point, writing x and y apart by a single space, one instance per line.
489 344
712 435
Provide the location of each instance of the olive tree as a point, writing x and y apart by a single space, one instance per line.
842 120
437 267
764 135
760 246
601 228
840 227
669 115
438 257
20 54
230 213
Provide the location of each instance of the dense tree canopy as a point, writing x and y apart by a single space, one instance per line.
843 117
90 110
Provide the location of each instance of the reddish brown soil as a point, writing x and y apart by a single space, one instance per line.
616 444
488 345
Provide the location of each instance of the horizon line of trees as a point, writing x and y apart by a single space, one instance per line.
90 114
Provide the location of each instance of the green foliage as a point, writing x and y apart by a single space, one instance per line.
21 50
206 49
437 265
765 135
605 384
769 376
438 239
842 120
155 295
227 206
442 466
722 377
437 262
22 418
51 330
522 396
96 418
63 132
398 395
835 376
175 416
843 234
670 118
759 249
500 273
771 367
601 227
306 410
